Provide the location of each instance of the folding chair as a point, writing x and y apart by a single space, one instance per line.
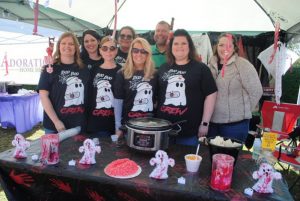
286 157
281 119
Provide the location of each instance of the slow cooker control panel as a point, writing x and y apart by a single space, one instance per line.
143 140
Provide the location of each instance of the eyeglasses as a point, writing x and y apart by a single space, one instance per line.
137 50
126 37
106 48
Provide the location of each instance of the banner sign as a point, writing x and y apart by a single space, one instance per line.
21 63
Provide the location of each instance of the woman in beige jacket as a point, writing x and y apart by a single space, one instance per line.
239 90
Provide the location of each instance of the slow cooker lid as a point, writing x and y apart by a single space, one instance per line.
149 123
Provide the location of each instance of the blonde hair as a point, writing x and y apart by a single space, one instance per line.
57 54
129 68
106 39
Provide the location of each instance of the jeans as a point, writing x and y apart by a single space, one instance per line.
238 130
190 141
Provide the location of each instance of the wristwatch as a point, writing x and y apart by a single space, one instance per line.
204 123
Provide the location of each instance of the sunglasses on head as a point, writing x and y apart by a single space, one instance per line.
126 37
137 50
106 48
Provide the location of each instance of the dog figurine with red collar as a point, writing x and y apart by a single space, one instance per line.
21 145
89 148
162 162
265 175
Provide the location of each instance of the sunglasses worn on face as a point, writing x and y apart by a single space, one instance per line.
106 48
137 50
126 37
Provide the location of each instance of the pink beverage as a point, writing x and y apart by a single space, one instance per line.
221 173
49 149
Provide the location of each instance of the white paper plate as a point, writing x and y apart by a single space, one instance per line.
125 177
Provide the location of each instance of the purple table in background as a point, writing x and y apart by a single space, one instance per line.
20 111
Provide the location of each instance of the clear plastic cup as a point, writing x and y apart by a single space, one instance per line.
221 173
192 162
114 138
96 141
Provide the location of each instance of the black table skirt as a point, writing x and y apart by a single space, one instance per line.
28 180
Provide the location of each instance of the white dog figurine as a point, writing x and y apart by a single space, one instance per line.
162 162
89 148
21 145
265 176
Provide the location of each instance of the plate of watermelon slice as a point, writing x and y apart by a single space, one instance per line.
123 169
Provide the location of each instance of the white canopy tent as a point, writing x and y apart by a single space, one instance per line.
192 15
24 11
286 12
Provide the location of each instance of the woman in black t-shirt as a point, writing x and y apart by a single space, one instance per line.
101 113
90 53
63 87
187 90
135 84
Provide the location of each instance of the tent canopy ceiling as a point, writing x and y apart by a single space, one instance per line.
193 15
285 12
21 11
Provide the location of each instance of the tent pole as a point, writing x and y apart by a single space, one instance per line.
111 20
273 22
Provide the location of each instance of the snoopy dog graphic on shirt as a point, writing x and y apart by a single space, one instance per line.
175 93
143 98
104 95
74 92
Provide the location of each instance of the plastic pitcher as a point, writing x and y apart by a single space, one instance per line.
221 173
49 149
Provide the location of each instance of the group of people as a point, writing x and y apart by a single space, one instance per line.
111 81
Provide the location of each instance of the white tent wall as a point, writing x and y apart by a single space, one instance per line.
25 52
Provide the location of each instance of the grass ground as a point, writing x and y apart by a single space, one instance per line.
8 134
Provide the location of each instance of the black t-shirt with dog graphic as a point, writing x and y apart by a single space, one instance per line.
67 86
182 90
101 111
138 94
